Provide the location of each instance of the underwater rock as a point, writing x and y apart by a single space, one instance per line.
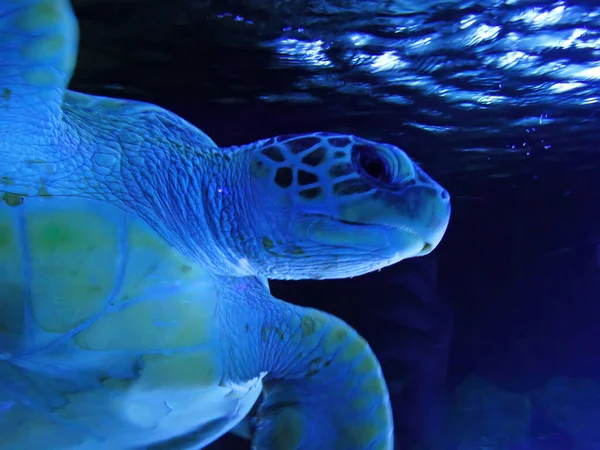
486 417
572 405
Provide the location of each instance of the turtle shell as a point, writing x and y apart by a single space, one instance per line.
107 333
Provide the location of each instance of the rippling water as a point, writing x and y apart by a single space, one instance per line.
499 100
489 78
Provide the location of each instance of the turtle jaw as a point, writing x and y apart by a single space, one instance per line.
390 242
428 247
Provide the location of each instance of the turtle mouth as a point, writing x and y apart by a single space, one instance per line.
427 249
390 240
357 224
427 246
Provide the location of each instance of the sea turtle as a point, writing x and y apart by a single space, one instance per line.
135 311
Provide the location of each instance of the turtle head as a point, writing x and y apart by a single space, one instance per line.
330 205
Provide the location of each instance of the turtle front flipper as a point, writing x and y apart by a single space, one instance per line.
328 394
323 387
38 52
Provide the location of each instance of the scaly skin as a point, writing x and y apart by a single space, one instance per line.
312 206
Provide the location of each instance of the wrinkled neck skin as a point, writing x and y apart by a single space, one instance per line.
157 165
203 201
232 218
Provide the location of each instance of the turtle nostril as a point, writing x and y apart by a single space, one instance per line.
445 194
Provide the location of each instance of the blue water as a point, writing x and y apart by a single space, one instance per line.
491 342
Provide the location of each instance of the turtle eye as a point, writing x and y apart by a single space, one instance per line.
380 163
373 166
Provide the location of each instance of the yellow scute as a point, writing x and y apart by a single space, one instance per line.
153 264
180 371
74 265
168 320
11 272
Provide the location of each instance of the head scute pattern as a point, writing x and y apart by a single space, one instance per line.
314 166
